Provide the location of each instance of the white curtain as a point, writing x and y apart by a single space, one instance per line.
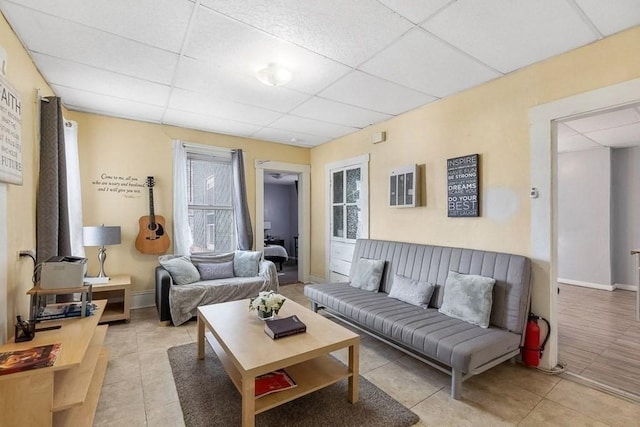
74 191
182 239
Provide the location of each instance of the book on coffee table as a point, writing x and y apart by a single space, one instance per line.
272 382
31 358
278 328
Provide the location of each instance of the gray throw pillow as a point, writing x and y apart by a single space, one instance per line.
468 297
367 274
246 263
210 257
215 270
411 291
181 269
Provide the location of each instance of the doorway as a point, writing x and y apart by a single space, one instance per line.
544 204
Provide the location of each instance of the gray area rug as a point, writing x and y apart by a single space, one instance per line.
209 398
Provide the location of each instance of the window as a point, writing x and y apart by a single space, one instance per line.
346 212
209 194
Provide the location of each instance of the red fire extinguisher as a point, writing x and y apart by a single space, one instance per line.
532 350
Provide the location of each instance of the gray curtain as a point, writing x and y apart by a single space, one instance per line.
52 219
240 206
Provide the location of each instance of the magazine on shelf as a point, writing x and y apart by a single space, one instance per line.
278 328
61 311
30 358
272 382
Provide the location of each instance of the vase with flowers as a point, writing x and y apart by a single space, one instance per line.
267 304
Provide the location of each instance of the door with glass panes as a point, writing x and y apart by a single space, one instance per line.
348 217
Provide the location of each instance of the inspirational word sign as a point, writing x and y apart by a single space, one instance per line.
463 186
129 187
10 134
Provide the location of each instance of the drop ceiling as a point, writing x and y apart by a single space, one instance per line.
355 63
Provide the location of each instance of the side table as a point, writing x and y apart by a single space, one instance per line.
118 295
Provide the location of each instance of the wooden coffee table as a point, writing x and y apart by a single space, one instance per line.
237 336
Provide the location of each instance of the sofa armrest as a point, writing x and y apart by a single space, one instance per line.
163 284
268 271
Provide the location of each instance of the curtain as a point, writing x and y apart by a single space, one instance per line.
182 239
240 206
52 218
74 190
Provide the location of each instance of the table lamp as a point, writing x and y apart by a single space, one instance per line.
267 227
101 236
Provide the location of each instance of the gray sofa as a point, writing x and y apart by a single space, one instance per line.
454 346
179 303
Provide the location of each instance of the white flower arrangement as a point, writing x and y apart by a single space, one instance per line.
267 301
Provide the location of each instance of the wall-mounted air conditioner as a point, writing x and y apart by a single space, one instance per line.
403 187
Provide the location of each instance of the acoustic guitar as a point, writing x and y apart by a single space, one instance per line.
152 238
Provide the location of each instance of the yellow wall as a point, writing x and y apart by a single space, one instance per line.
127 148
21 208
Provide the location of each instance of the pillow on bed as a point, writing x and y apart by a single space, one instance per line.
468 297
367 274
215 270
411 291
246 263
180 268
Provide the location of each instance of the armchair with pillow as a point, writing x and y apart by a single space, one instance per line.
185 282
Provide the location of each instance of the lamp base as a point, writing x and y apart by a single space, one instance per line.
96 280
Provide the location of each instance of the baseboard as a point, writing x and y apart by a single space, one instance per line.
143 299
625 287
587 284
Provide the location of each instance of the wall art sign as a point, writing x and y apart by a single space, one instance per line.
10 133
463 186
129 187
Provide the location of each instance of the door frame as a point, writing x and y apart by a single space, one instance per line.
304 210
544 180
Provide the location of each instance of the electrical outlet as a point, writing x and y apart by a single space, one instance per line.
27 252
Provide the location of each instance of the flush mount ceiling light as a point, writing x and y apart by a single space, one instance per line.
274 75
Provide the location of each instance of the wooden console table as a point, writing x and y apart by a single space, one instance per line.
117 292
67 393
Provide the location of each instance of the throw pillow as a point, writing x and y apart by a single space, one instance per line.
210 257
215 270
468 297
180 268
367 274
412 291
246 263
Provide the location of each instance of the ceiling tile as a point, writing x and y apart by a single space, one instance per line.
347 31
207 123
605 120
206 77
508 35
623 136
611 16
575 142
55 37
416 11
237 49
337 112
436 68
366 91
289 137
313 127
205 105
65 73
77 100
159 23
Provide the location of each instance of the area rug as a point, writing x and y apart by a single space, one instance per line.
209 398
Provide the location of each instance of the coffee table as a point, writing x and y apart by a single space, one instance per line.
237 336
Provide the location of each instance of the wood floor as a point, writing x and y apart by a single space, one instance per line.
599 336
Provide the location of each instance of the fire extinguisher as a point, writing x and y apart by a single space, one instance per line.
532 350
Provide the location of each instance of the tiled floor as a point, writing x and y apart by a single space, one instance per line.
139 390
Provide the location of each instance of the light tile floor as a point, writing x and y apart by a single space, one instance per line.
139 390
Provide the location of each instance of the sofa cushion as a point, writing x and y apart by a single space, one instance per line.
412 291
210 257
181 269
215 270
367 274
468 297
246 263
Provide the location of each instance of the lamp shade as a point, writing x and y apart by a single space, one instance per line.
101 235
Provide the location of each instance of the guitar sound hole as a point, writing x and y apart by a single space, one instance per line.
152 227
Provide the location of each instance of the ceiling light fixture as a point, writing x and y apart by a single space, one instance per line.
274 75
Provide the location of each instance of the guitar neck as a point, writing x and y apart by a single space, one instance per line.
152 215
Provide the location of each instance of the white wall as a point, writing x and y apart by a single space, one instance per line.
584 218
625 187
